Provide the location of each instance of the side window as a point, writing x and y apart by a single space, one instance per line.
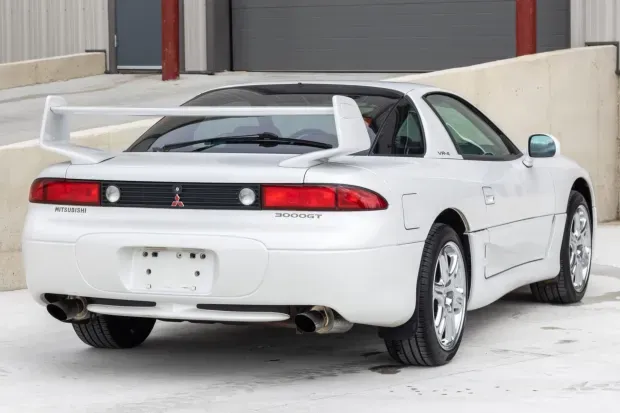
401 134
471 134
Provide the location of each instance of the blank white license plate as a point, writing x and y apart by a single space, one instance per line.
168 270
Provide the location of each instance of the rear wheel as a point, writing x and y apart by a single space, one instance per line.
575 257
108 331
442 303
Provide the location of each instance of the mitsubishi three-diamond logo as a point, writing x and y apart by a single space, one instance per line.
177 202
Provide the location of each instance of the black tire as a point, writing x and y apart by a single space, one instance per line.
113 332
560 290
423 347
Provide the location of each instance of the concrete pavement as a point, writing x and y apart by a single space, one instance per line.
516 356
21 109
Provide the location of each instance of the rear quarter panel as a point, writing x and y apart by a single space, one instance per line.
427 186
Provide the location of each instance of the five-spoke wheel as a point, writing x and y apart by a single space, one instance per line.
580 248
570 285
439 320
449 295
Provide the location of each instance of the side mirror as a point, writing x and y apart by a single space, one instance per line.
541 145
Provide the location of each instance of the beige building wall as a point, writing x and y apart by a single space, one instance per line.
571 94
51 69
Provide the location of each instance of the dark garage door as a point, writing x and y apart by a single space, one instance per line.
139 45
383 35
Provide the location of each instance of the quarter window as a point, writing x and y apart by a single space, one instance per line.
472 135
401 134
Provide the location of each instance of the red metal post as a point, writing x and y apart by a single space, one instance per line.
526 27
170 39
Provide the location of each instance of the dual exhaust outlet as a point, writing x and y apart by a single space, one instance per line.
319 319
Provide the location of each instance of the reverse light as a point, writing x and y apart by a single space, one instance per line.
247 196
65 192
321 197
112 194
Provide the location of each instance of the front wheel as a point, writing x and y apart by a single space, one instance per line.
442 303
109 331
575 257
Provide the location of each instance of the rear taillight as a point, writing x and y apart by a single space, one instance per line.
65 192
321 197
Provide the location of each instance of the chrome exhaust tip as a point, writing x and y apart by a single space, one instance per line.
310 321
68 309
321 320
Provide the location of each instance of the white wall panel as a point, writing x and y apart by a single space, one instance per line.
195 21
33 29
594 21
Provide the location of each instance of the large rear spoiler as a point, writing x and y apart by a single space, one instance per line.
350 126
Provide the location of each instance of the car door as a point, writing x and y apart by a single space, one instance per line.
519 201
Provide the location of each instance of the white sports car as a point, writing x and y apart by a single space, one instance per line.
318 205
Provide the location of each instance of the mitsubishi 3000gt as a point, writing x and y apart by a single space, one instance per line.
319 205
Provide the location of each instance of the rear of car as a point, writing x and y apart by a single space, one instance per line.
199 221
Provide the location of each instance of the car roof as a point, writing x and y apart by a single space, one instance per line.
402 87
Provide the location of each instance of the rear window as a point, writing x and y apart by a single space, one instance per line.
374 103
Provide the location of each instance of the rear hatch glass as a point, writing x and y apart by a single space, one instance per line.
311 132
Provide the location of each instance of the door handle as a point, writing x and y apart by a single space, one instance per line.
489 196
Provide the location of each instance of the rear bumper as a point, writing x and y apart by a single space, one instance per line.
366 286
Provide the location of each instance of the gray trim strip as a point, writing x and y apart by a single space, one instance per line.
218 21
512 268
210 33
196 72
140 67
555 214
111 34
181 36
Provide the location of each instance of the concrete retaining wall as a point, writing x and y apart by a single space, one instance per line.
53 69
571 94
20 164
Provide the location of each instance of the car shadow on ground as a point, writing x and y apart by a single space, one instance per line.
259 354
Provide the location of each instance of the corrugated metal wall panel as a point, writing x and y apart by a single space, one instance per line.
195 21
594 21
33 29
577 23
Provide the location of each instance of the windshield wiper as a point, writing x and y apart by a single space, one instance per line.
263 139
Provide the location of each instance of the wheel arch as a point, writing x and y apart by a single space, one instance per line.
458 222
581 185
455 219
